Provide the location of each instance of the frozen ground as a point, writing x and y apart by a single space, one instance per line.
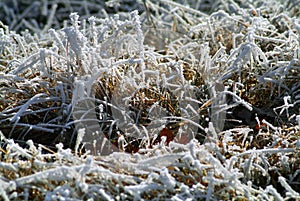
172 100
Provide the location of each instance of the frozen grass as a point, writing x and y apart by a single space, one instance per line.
225 73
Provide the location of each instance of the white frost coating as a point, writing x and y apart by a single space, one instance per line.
63 173
285 106
74 40
247 48
55 36
298 144
273 191
269 125
27 63
3 194
158 161
238 100
140 34
105 196
9 167
168 181
290 192
25 106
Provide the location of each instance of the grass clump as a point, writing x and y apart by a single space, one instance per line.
173 101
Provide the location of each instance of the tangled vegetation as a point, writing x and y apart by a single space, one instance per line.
153 100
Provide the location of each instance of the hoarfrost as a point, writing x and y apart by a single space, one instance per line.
192 65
